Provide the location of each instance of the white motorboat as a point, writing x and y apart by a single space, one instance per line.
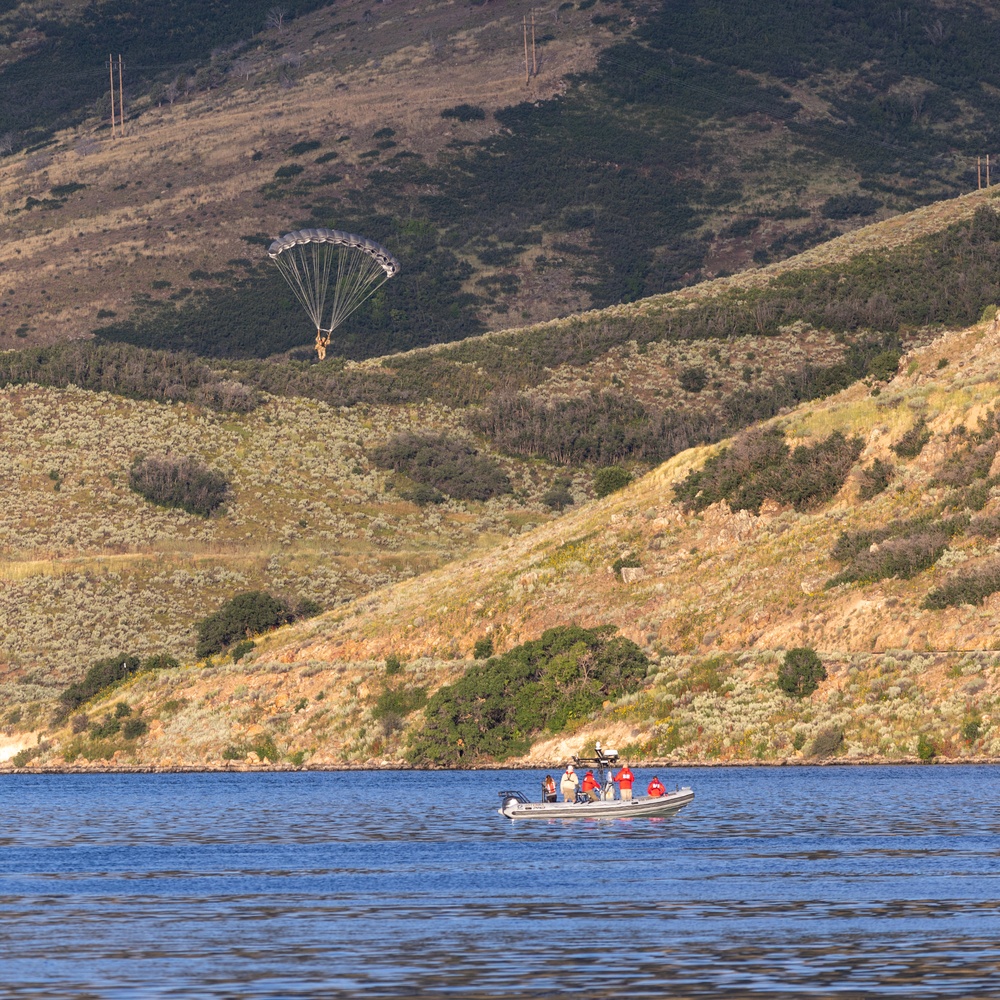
516 805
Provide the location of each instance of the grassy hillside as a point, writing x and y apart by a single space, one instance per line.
713 596
657 145
90 568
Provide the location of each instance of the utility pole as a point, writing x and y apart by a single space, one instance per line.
524 26
979 173
534 61
111 71
121 97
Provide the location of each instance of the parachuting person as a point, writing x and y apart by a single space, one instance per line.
321 264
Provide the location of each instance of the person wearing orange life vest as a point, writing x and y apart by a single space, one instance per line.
549 789
625 779
591 787
656 788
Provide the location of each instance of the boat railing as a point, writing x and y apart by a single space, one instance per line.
514 794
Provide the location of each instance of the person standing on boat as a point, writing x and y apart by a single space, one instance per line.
656 788
569 785
591 787
549 789
625 779
609 788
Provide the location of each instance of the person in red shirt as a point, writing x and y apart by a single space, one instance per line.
625 779
591 787
656 788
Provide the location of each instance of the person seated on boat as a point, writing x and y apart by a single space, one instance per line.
591 787
656 788
625 779
549 789
569 785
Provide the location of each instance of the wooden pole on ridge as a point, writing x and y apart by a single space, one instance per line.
121 97
979 173
111 70
534 61
524 25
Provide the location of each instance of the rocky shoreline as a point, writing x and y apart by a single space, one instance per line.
651 765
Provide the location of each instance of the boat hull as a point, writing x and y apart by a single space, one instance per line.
647 805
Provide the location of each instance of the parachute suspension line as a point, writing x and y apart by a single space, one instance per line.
358 276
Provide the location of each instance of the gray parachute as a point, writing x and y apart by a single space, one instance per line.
327 266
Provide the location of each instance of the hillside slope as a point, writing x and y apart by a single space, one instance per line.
716 597
653 145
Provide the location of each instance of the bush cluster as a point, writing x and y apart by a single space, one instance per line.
498 707
875 479
912 443
760 466
182 483
103 674
902 557
967 586
242 616
450 465
801 672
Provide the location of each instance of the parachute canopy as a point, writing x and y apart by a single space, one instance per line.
326 267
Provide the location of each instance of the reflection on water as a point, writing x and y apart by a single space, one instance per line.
788 881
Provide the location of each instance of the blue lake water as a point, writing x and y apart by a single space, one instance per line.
834 881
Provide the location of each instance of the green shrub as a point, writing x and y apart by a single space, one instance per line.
297 758
399 701
900 557
288 170
557 497
393 665
798 740
13 717
242 648
759 466
106 728
103 674
246 614
610 479
693 379
827 741
182 483
265 748
423 494
450 465
308 608
884 366
160 661
800 672
304 146
875 479
483 648
122 710
844 206
926 750
972 729
497 707
465 113
631 561
967 586
912 442
132 729
23 757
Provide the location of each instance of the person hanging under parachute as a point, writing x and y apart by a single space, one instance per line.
321 264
